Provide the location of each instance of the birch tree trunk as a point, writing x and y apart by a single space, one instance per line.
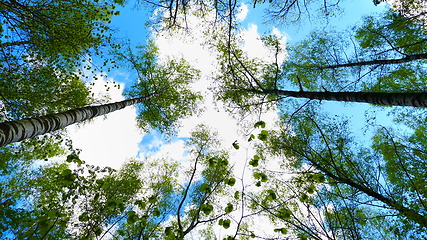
380 98
15 131
406 59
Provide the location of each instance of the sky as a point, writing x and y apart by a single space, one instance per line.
113 140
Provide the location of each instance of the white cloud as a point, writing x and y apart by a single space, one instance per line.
255 48
242 12
110 140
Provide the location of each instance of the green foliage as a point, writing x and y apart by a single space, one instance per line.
255 161
281 230
225 223
354 60
44 43
206 208
261 176
167 84
284 213
230 181
336 176
306 59
259 124
229 208
405 35
263 135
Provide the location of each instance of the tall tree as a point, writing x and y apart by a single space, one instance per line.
241 78
42 45
162 88
143 200
356 198
18 130
384 54
362 189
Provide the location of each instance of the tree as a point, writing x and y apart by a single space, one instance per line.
241 78
74 200
342 188
15 131
171 78
42 48
383 55
163 90
355 200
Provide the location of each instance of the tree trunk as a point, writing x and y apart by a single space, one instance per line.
408 58
15 131
411 214
380 98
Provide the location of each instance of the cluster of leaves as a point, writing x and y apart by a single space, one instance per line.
42 45
167 84
384 54
360 191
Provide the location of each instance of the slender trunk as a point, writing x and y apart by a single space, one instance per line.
411 214
380 98
408 58
15 131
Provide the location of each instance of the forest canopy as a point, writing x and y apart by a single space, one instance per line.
325 135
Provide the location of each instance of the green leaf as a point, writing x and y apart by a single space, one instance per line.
229 208
231 181
254 163
259 124
156 212
281 230
52 213
83 217
319 178
261 176
271 195
284 213
221 222
237 195
140 204
251 137
71 157
169 232
132 217
236 145
152 199
98 231
263 135
311 189
304 197
223 162
111 204
226 224
206 208
205 188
